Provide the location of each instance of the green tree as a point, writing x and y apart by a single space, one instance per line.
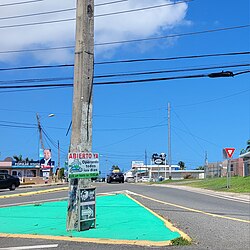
182 165
18 158
243 151
61 174
115 167
200 168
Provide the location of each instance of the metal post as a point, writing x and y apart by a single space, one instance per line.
169 143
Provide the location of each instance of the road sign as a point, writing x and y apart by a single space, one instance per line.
83 165
86 208
229 152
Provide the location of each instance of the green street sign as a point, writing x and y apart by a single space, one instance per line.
84 175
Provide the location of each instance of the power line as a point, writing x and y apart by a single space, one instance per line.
38 67
37 23
108 3
220 74
170 71
176 57
141 9
37 14
53 11
32 80
36 80
174 35
130 61
127 41
16 126
37 49
100 15
18 3
213 100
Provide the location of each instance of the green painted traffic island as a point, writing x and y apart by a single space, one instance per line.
119 220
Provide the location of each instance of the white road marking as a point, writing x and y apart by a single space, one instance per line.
32 202
207 192
30 247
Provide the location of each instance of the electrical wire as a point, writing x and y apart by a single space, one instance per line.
142 9
108 3
38 67
175 58
100 15
170 71
37 14
37 49
36 23
123 74
131 61
19 3
123 82
171 36
36 80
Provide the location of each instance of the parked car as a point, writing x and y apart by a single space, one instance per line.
9 181
145 179
115 177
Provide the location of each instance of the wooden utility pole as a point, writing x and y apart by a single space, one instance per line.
40 131
81 136
58 156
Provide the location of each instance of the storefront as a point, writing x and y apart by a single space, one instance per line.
28 172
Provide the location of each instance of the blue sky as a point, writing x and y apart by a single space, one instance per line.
128 119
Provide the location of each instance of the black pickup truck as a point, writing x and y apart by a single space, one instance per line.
8 181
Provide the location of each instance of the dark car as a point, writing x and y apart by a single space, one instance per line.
115 177
9 181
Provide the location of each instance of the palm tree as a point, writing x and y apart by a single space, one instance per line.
243 151
18 158
182 165
248 146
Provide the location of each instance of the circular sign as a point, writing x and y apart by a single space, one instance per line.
158 161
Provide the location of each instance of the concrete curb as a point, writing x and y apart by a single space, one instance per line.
43 185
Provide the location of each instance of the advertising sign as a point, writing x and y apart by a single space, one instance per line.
83 165
137 164
87 208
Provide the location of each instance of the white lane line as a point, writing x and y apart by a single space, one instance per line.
204 192
30 247
53 199
32 202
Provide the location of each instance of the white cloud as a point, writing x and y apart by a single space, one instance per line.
134 25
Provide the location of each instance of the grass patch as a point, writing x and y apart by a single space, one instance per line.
238 184
175 181
180 242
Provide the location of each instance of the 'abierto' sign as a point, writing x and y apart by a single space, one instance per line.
83 165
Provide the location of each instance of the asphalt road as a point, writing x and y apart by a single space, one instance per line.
213 222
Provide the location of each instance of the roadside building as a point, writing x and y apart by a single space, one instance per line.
246 163
27 172
219 169
161 172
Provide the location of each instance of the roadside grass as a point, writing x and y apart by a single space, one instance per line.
180 242
238 184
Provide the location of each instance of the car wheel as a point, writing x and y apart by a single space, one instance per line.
12 187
